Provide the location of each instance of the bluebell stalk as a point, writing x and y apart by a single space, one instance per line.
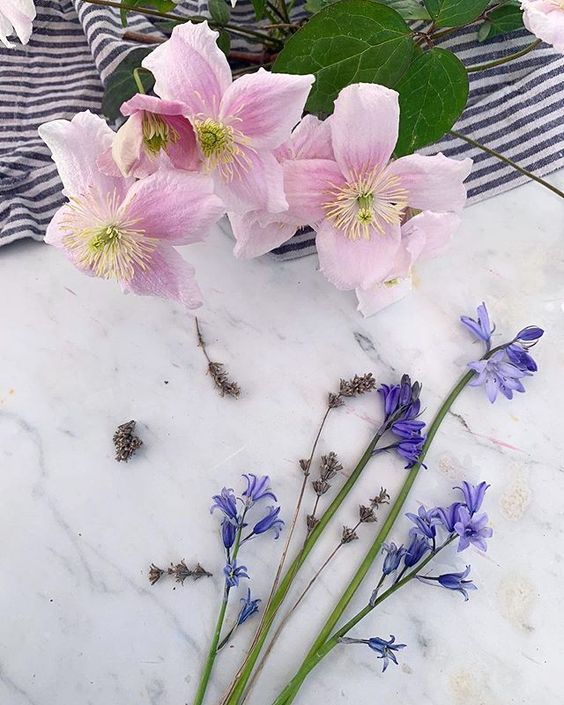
385 648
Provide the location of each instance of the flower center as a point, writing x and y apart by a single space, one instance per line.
369 201
103 241
157 133
221 146
558 3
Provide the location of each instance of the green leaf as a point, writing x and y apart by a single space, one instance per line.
259 7
408 9
349 42
160 5
501 20
219 11
121 86
455 13
433 94
224 42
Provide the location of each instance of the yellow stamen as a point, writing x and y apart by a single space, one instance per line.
157 133
221 146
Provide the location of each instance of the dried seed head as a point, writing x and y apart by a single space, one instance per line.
181 572
155 573
125 441
382 498
320 487
366 514
304 465
311 522
226 386
348 535
357 385
330 466
334 400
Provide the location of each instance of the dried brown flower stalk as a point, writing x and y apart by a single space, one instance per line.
225 385
180 572
126 442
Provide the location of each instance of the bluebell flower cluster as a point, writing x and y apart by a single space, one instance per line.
402 407
503 369
383 647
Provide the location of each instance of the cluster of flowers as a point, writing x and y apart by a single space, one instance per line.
234 534
502 369
461 522
208 145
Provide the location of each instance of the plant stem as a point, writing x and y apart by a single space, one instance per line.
505 59
235 693
138 81
258 36
511 163
376 547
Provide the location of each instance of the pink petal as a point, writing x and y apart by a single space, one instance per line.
191 68
435 230
19 15
364 127
75 147
266 106
178 207
433 183
382 295
128 151
255 238
311 139
183 154
545 20
55 230
307 183
256 184
351 264
168 275
151 104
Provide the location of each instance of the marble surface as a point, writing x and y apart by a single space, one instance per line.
80 623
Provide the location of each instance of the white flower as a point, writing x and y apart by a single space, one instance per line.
16 17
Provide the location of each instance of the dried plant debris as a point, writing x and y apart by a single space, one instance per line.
126 442
180 572
359 384
216 370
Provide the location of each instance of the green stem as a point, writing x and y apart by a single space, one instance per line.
138 81
505 59
264 38
511 163
235 693
376 547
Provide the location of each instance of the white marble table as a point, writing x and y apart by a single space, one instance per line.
80 623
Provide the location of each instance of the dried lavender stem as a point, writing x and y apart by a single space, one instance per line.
216 370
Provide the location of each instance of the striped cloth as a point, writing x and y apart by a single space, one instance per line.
517 108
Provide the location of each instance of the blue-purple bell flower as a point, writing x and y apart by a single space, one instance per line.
425 523
234 573
257 488
249 607
226 503
269 522
482 329
472 529
452 581
473 495
384 648
416 549
394 554
497 375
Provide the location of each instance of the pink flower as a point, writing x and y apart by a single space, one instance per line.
545 19
16 17
357 201
238 124
115 228
156 134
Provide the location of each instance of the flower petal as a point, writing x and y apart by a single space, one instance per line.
191 68
364 127
266 105
254 238
75 147
168 275
176 206
311 139
435 230
433 183
128 151
352 264
16 16
307 183
380 296
151 104
546 21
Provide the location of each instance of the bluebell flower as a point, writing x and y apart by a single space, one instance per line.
385 648
394 554
390 397
270 521
400 400
452 581
257 488
228 532
416 549
530 334
482 328
497 375
410 449
226 503
473 495
425 523
472 529
408 428
249 607
519 356
447 516
233 573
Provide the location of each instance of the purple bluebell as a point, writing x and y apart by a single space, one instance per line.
425 523
472 529
385 648
408 428
473 495
270 521
519 356
233 573
410 449
226 503
394 554
416 549
249 607
390 397
447 516
228 532
257 488
497 375
482 328
530 334
400 400
452 581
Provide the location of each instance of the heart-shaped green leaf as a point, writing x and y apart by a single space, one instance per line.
433 94
121 85
455 13
349 42
501 20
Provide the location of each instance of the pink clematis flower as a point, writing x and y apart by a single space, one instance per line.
16 17
545 19
156 134
238 124
423 237
357 201
115 228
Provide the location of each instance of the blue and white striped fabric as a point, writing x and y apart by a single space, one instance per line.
517 108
